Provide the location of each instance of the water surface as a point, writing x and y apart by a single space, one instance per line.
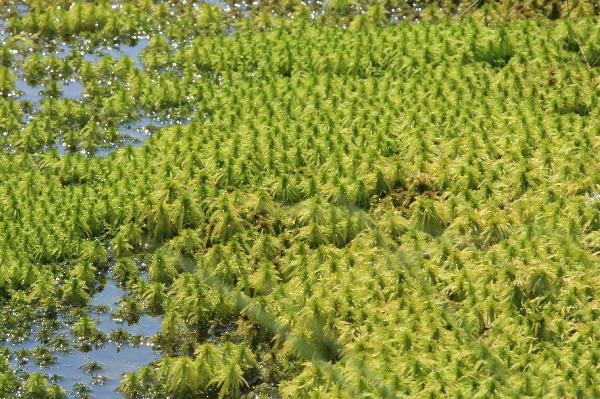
115 359
133 51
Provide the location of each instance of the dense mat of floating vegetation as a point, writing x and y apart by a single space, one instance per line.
382 210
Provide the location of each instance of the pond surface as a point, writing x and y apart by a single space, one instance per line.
29 92
22 9
133 51
3 30
133 132
138 131
33 93
115 359
72 89
219 3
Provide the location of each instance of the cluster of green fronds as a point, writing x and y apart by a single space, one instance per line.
487 10
68 18
109 20
214 369
8 379
178 81
37 386
114 92
393 210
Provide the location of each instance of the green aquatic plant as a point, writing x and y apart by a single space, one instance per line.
497 52
125 270
85 329
130 309
173 331
74 293
130 386
85 272
426 218
92 367
225 225
230 380
7 81
43 357
161 270
357 207
265 278
592 51
154 298
37 387
183 378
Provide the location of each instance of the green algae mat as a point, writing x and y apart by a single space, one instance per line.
298 200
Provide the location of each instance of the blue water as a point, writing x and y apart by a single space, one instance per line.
121 51
30 92
3 30
219 3
72 89
22 9
138 131
134 132
115 359
63 51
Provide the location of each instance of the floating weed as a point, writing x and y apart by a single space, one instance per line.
43 356
99 380
132 51
298 200
92 367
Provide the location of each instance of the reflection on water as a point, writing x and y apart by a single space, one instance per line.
132 51
140 130
115 359
73 90
29 92
136 132
219 3
3 30
22 9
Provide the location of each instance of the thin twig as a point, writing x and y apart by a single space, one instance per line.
468 8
